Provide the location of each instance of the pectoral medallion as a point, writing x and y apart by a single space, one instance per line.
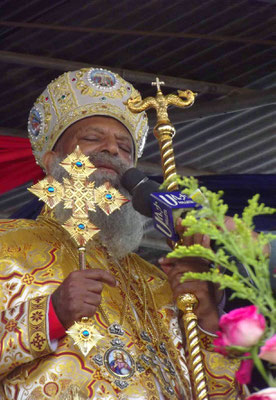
120 365
117 362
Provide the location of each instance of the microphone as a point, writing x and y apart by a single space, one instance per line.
163 207
140 187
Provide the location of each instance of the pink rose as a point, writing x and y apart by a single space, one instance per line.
242 327
243 375
265 394
268 350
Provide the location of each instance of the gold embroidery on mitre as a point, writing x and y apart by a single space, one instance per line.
62 96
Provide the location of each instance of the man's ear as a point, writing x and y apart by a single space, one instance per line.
48 159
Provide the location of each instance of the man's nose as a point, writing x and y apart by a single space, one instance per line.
110 145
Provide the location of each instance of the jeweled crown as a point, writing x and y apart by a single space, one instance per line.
81 94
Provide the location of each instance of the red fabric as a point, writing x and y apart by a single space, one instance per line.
17 163
56 329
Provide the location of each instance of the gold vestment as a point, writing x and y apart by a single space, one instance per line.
35 257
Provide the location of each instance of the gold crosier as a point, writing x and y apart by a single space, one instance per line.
164 132
80 195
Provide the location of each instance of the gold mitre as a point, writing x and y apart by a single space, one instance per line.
81 94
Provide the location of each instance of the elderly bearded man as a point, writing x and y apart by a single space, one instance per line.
43 292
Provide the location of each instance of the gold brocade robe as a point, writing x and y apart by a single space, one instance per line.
35 257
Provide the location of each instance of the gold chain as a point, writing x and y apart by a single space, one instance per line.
146 289
127 286
146 319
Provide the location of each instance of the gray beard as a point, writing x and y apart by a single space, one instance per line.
120 232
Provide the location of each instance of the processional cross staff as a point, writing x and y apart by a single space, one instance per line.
164 132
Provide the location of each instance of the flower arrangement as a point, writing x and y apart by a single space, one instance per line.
248 332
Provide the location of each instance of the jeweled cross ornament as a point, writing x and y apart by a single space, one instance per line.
164 132
80 195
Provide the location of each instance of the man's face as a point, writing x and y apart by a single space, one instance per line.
109 147
97 135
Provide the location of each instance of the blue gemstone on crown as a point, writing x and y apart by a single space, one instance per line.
79 164
51 189
81 226
108 196
85 333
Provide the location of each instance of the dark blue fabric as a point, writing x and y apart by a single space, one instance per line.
237 190
30 210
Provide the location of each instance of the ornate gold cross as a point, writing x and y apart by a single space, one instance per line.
80 195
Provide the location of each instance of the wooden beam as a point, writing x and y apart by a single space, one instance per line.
133 76
126 32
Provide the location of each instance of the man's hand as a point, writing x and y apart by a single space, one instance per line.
207 293
79 295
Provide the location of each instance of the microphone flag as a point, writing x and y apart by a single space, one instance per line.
167 207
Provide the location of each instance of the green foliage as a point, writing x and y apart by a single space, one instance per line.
234 237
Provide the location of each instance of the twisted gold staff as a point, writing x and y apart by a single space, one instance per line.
164 132
187 303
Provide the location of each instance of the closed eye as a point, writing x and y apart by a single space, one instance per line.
125 148
91 139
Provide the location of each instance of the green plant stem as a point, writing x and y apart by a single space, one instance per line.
239 255
258 363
